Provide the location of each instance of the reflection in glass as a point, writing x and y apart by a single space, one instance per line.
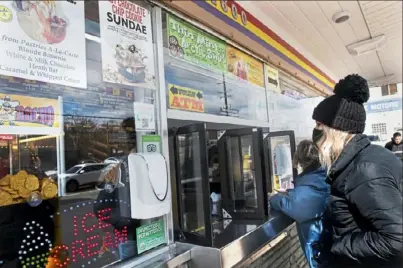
281 163
191 180
241 173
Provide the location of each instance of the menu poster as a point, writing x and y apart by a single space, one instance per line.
44 41
195 46
244 66
272 79
16 110
127 45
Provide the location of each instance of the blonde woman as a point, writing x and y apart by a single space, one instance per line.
365 204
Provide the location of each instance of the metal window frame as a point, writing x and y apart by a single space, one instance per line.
269 172
200 128
160 103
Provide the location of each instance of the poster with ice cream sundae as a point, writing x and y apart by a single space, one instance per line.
43 41
127 46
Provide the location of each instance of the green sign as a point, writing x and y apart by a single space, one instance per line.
151 143
150 236
195 46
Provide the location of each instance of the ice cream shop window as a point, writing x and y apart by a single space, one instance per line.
77 96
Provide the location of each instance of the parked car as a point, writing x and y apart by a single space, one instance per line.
82 175
111 160
88 161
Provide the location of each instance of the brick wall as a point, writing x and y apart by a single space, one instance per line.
286 254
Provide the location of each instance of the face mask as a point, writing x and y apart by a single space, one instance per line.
317 135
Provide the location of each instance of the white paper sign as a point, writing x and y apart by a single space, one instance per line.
43 41
126 41
144 117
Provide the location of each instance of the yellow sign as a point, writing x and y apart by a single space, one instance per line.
272 79
16 110
183 98
244 66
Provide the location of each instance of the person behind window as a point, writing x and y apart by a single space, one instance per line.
396 145
306 203
365 203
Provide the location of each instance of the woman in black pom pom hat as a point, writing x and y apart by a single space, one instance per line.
365 205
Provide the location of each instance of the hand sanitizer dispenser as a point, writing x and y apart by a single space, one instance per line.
150 193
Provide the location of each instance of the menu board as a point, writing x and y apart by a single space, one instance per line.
244 66
17 110
100 99
44 41
127 45
272 79
188 43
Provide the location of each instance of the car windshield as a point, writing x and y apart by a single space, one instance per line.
73 170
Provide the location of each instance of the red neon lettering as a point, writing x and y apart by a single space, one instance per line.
102 218
77 250
120 236
108 240
75 229
90 229
91 245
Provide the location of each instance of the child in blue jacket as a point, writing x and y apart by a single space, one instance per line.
306 203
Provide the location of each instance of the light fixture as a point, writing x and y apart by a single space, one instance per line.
380 81
341 16
367 46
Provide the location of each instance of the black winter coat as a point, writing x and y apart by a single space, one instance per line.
365 206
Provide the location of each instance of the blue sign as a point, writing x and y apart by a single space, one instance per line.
384 106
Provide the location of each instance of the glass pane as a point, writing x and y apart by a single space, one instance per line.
191 180
281 162
241 173
249 176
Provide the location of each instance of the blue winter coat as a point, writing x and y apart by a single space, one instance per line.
306 204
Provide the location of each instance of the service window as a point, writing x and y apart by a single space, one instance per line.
72 74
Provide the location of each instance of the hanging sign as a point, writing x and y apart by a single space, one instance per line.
144 116
127 45
195 46
244 66
16 110
183 98
43 41
150 236
151 143
384 106
4 137
272 79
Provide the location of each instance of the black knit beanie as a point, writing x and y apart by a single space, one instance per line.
345 110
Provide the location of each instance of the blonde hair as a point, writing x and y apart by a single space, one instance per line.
331 145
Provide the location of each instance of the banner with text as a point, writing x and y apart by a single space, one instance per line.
272 79
44 41
188 43
127 45
244 66
16 110
183 98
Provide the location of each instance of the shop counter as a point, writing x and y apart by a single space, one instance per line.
238 241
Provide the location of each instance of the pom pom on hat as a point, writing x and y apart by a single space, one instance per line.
345 110
353 88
